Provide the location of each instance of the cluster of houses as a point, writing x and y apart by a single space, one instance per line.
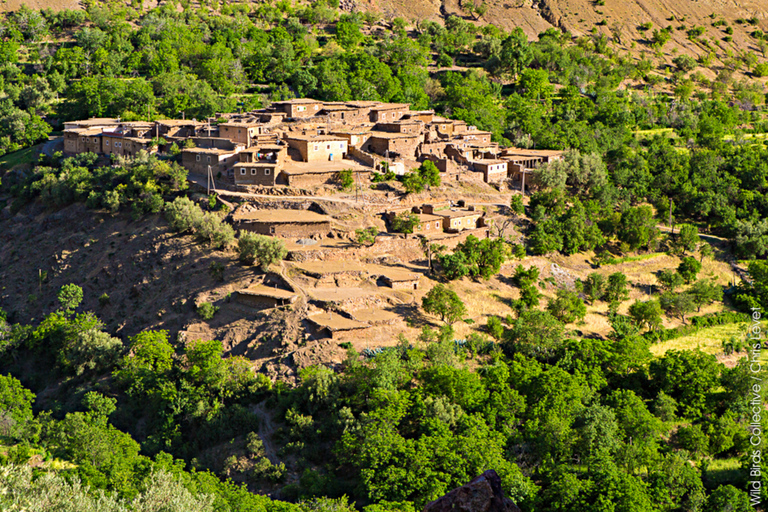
305 142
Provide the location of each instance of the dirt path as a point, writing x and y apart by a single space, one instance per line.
266 430
52 145
223 192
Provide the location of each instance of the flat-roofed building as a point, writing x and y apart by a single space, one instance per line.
385 112
241 132
314 148
386 143
455 219
299 107
82 140
283 222
494 171
197 160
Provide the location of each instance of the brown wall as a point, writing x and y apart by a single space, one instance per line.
257 301
313 179
256 175
385 245
405 146
242 134
319 150
219 162
402 285
292 230
382 116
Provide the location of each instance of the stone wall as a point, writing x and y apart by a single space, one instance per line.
385 245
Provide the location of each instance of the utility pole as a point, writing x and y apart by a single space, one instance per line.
522 187
208 175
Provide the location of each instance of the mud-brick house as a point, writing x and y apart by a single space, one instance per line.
174 130
428 223
259 165
401 280
265 174
402 126
298 108
318 148
455 220
334 326
283 223
263 296
342 113
242 132
385 112
197 160
388 143
355 136
82 140
523 161
494 171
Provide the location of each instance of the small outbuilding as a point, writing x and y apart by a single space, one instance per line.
261 296
284 223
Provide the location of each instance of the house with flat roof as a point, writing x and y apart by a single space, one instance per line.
82 140
197 160
385 112
283 222
494 171
241 132
388 143
523 161
455 219
298 108
314 148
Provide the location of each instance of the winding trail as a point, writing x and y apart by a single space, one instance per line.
266 430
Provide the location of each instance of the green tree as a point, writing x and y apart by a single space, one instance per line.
91 350
445 303
687 239
345 179
147 364
430 174
70 296
516 53
670 280
265 250
727 498
15 408
705 252
677 304
367 236
594 286
688 376
405 222
413 182
516 204
689 269
348 33
567 307
705 292
616 291
637 227
535 334
646 314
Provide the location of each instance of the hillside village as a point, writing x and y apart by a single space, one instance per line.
303 144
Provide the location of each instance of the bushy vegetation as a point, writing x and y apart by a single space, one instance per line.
538 397
569 422
266 250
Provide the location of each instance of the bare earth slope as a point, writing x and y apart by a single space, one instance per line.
579 17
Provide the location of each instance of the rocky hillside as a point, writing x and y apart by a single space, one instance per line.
621 20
